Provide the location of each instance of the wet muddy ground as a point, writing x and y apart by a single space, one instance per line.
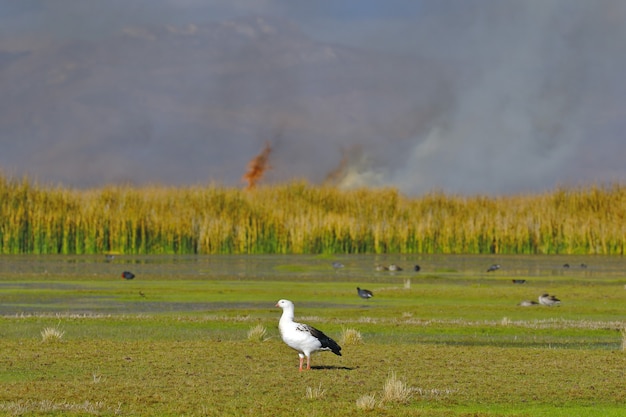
87 284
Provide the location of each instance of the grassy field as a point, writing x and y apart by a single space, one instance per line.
453 343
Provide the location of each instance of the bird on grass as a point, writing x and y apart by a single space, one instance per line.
394 267
381 268
417 268
519 281
528 303
548 300
493 267
128 275
337 265
303 338
363 293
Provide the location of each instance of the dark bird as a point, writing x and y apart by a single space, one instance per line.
493 267
128 275
417 268
519 281
565 265
583 265
363 293
303 338
548 300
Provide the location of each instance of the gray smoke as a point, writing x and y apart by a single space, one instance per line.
466 97
530 90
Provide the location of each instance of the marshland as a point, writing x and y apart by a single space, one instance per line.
195 332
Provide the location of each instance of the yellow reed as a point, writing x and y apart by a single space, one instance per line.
301 218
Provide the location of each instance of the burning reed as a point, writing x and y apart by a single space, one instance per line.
257 167
300 218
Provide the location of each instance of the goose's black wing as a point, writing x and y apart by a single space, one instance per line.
327 342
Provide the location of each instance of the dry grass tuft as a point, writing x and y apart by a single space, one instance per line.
96 378
315 393
350 337
257 333
623 331
52 334
395 390
366 402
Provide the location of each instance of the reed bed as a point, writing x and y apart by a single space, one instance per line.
299 218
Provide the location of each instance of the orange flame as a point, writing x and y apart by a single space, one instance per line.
257 167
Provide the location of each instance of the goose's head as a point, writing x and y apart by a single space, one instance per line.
284 304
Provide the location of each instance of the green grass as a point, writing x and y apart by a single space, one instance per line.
456 341
211 376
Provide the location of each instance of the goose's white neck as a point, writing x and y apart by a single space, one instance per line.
288 310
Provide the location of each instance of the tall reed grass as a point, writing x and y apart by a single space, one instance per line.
300 218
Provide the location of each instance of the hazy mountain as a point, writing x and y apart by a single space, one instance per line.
480 97
194 103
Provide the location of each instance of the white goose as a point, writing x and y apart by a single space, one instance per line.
548 300
303 338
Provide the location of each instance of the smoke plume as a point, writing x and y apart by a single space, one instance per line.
479 96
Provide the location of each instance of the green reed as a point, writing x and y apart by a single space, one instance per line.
301 218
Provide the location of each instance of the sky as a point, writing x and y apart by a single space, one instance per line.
460 96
